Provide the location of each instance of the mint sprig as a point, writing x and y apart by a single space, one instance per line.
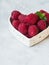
41 15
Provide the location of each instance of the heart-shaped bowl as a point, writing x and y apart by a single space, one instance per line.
28 7
29 41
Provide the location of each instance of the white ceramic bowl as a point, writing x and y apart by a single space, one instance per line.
29 41
27 6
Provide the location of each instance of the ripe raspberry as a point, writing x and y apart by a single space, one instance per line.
31 18
41 25
47 16
22 28
22 18
43 11
15 23
28 36
32 30
11 19
27 24
15 14
36 16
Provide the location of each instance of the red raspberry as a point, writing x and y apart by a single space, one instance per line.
15 23
15 14
11 19
22 18
31 18
22 28
43 11
27 24
28 36
32 30
41 25
47 16
36 16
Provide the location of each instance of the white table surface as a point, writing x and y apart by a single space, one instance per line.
13 52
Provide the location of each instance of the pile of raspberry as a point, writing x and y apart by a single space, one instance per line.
31 24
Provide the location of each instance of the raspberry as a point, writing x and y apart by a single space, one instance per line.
42 11
31 18
22 18
11 19
15 14
22 28
36 16
32 30
15 23
47 16
27 24
28 36
41 24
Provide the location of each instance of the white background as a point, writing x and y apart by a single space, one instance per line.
13 52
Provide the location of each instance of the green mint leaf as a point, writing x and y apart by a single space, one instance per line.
41 15
44 18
